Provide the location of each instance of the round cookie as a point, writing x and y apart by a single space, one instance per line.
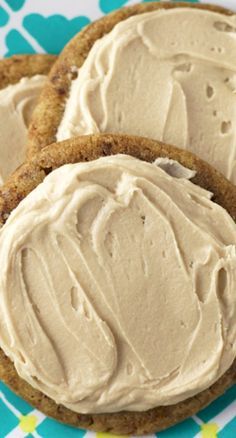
87 148
50 109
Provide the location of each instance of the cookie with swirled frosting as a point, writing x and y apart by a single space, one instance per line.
123 235
161 70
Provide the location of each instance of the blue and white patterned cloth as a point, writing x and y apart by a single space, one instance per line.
45 26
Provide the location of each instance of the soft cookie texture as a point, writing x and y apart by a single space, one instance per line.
146 100
25 179
13 69
21 81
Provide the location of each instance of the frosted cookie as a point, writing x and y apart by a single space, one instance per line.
21 80
156 70
120 235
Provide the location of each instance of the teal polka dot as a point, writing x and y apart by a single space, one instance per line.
107 6
4 17
53 32
15 5
17 44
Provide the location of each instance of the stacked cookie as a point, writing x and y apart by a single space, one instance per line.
119 249
21 81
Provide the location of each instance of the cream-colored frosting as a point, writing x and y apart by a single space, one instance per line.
16 105
117 286
168 75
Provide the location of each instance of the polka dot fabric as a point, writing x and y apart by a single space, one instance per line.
42 26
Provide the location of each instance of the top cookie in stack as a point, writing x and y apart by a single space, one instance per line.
162 70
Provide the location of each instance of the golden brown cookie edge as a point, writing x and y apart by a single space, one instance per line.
19 66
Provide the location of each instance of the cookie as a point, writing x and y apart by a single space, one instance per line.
50 110
87 148
21 80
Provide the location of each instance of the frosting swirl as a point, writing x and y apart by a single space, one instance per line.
117 286
166 74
